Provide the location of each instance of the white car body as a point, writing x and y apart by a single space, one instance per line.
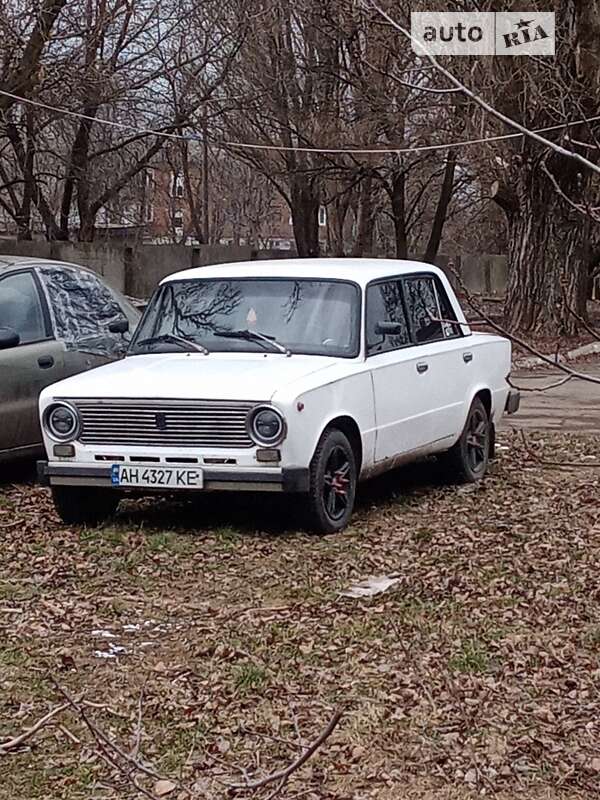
396 405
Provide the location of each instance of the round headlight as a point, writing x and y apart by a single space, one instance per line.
62 422
267 426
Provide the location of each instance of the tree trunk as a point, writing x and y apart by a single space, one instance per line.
547 250
397 195
87 227
337 213
363 245
305 218
437 227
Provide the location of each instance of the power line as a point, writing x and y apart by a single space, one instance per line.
284 148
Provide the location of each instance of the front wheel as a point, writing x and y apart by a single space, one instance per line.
332 483
467 461
84 505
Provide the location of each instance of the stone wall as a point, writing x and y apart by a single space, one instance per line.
137 270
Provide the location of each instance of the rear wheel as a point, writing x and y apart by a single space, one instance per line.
332 483
467 461
84 505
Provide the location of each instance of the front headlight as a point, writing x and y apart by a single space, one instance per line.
61 421
266 426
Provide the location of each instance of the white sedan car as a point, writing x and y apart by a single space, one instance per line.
300 376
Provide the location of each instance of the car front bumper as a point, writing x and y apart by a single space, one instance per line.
250 480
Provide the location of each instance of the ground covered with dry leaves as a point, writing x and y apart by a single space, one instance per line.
211 643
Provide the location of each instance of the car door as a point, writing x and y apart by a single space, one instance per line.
398 387
443 360
32 363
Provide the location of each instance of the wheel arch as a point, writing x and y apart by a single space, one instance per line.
349 427
485 396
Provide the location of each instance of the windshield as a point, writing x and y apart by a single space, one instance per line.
302 316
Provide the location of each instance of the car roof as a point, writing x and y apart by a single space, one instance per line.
8 262
359 270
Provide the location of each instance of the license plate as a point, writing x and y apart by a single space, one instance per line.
156 477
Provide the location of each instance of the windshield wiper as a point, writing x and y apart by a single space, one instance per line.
171 337
254 336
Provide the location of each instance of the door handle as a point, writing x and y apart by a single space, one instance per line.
45 362
422 367
467 357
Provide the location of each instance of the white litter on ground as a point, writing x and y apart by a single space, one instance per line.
377 584
104 634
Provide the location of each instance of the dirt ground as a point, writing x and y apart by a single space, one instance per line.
575 406
211 641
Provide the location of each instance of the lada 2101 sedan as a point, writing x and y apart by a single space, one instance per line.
301 376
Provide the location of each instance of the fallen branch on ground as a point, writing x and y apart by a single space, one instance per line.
283 774
102 738
11 744
555 385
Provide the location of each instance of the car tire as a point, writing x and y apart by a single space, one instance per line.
467 461
332 483
82 505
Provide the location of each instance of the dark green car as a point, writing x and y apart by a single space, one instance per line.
55 320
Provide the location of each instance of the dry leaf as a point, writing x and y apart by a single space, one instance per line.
164 787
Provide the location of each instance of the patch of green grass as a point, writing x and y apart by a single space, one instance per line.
177 543
9 591
226 534
249 676
591 637
423 536
12 657
113 536
471 659
362 629
180 742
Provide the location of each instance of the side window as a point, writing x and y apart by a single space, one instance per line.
83 308
21 307
448 313
423 309
384 304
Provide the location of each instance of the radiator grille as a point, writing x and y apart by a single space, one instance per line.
165 423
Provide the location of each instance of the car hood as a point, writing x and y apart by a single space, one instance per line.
218 376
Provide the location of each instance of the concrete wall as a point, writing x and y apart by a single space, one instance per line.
482 274
137 270
147 265
105 259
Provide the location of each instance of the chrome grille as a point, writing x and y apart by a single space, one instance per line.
165 423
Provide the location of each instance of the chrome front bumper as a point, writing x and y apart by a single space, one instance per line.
251 480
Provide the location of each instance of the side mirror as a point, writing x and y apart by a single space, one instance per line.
119 326
389 328
8 338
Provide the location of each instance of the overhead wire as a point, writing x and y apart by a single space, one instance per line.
226 144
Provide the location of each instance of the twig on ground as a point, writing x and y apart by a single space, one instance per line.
69 734
283 774
138 728
101 737
11 744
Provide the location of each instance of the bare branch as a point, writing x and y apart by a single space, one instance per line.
283 774
11 744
